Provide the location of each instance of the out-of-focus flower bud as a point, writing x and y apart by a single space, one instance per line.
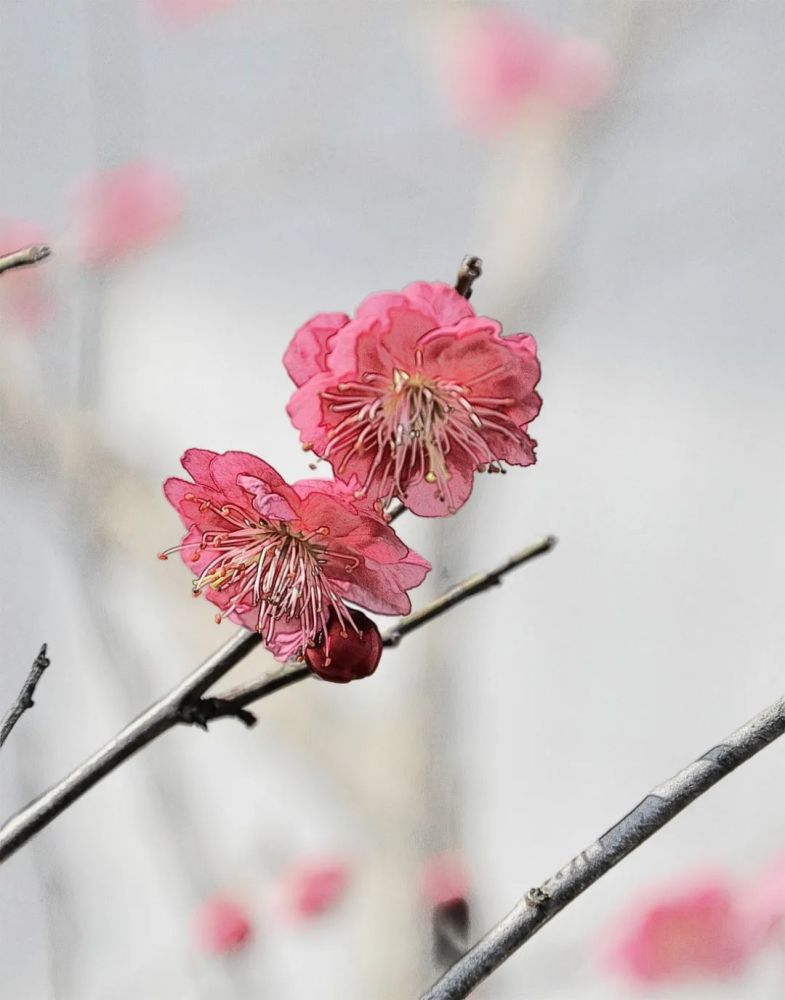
222 925
312 887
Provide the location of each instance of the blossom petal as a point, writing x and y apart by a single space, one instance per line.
306 354
442 302
196 462
228 467
266 503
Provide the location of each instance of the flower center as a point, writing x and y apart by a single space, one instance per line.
410 429
266 564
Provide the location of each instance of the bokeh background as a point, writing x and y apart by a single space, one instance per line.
292 157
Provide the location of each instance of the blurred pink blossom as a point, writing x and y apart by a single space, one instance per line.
124 210
222 925
495 65
182 12
500 61
690 933
445 879
311 888
764 902
576 74
23 298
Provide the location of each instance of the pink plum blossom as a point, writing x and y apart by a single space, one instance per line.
182 12
125 210
23 298
283 559
222 925
311 888
500 61
691 933
413 396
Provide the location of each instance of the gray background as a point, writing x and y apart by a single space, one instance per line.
642 243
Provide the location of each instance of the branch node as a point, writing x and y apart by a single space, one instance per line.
537 896
201 711
392 639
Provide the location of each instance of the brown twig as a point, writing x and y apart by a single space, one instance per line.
469 271
188 704
24 700
21 258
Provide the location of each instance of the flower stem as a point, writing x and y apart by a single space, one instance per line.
469 271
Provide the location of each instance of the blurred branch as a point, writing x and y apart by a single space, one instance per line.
187 704
21 258
541 904
24 700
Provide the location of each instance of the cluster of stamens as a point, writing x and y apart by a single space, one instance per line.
266 565
410 426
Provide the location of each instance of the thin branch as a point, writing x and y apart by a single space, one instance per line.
24 700
161 716
469 588
541 904
469 271
21 258
187 705
233 702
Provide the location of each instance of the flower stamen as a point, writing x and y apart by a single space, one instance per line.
407 427
277 568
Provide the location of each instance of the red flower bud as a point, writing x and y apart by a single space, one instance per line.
343 653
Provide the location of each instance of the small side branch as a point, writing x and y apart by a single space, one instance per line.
232 703
463 591
24 700
21 258
469 271
189 704
542 903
